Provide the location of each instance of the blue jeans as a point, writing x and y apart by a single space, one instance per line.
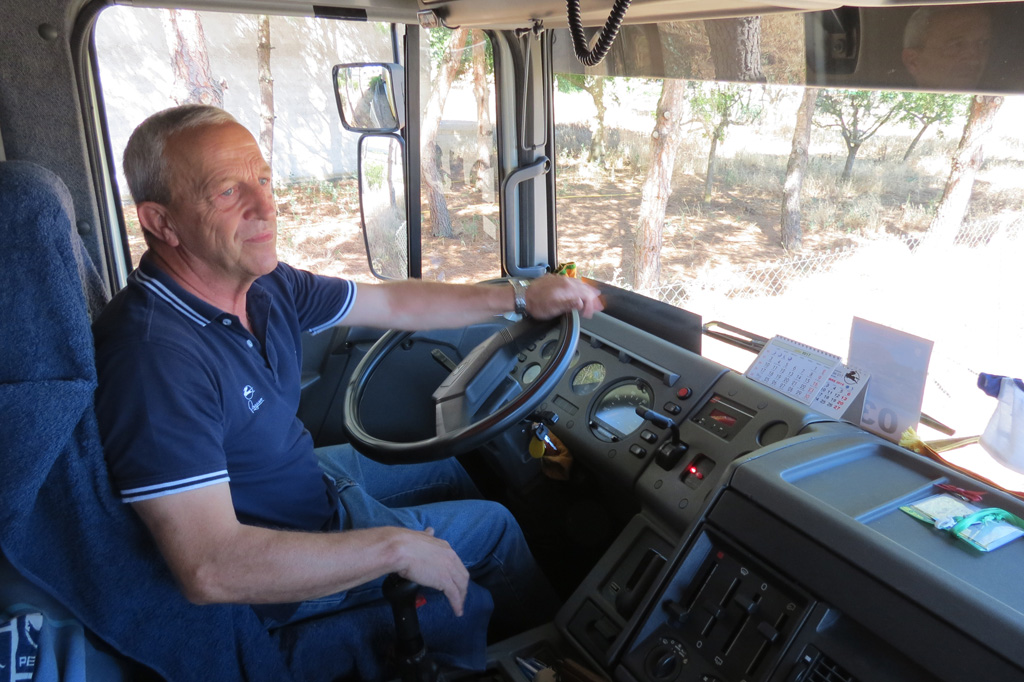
438 495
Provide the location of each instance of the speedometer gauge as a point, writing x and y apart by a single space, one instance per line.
615 414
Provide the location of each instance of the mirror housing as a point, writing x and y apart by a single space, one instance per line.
370 96
382 204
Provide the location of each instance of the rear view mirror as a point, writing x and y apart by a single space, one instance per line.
370 97
832 40
382 204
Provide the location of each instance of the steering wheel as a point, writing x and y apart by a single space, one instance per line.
462 394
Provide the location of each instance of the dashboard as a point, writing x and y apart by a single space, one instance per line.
704 416
759 540
769 544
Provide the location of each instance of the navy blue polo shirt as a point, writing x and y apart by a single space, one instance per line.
188 397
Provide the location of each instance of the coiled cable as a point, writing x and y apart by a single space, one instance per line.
593 57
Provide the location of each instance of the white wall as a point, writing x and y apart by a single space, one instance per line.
309 142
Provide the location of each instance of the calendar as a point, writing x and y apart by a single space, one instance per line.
793 368
841 389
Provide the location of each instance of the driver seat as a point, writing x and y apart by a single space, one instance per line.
62 529
71 547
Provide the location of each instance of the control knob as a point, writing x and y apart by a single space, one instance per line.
666 660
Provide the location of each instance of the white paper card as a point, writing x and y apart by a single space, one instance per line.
898 364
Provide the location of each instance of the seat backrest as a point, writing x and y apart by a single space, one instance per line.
61 525
42 294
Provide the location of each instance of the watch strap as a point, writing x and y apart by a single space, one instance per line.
519 289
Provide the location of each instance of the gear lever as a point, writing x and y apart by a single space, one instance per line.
414 664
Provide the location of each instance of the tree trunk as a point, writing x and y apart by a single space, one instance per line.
658 186
482 175
193 82
430 159
596 91
266 81
966 162
736 48
392 197
792 235
917 138
709 176
851 156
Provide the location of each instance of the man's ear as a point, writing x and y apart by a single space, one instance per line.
155 220
910 56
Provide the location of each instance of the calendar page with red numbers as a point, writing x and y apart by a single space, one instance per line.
841 388
793 368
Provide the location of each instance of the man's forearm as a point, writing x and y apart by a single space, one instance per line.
414 305
270 566
216 559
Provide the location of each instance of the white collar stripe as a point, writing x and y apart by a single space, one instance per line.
346 305
166 294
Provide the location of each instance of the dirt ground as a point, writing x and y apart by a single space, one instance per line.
595 233
595 229
733 228
319 228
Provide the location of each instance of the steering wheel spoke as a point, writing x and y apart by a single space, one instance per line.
473 380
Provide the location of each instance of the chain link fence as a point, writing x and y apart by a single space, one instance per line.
763 279
772 278
1005 226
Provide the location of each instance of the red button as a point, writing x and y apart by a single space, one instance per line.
683 393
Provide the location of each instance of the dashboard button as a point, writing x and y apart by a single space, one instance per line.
637 451
672 408
669 454
648 436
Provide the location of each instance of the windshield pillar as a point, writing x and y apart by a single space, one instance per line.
525 150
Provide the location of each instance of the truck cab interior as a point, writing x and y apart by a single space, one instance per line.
697 524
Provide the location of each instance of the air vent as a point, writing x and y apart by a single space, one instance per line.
823 669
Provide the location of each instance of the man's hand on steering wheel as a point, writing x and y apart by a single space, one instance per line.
551 295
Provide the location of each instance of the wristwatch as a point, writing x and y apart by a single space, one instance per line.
519 288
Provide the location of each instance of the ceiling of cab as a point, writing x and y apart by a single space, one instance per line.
505 14
553 14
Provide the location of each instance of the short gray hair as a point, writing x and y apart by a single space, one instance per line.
145 167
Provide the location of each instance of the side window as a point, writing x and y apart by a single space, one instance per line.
274 75
459 159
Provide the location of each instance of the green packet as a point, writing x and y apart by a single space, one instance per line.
983 529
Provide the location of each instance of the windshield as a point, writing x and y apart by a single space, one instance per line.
684 190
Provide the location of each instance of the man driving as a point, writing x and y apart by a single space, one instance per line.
199 363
